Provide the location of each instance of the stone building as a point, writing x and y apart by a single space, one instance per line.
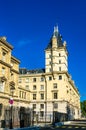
49 94
53 94
9 90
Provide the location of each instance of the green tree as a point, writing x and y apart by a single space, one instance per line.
83 108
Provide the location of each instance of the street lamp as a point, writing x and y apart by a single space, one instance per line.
12 88
53 112
33 117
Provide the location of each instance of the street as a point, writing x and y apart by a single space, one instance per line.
74 125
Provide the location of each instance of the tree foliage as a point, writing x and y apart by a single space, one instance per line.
83 108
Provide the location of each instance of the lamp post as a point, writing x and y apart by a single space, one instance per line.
53 113
12 88
33 117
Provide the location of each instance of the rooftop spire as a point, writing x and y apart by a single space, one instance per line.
55 31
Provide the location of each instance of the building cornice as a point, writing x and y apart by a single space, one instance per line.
15 59
15 71
6 43
22 100
4 63
24 89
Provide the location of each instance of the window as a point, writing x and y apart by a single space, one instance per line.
59 61
49 69
55 85
1 87
20 94
41 113
41 106
3 56
50 78
59 68
67 91
59 54
34 106
34 113
42 87
49 56
34 96
34 87
55 105
3 70
24 95
34 79
42 96
55 95
12 76
20 80
27 80
60 77
27 87
50 62
42 79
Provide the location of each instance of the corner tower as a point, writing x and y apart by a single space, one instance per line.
56 54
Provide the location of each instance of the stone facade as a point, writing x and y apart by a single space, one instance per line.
49 93
9 73
53 94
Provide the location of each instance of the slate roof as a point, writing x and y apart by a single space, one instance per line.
59 39
34 71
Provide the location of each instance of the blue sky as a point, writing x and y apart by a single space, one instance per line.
28 26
